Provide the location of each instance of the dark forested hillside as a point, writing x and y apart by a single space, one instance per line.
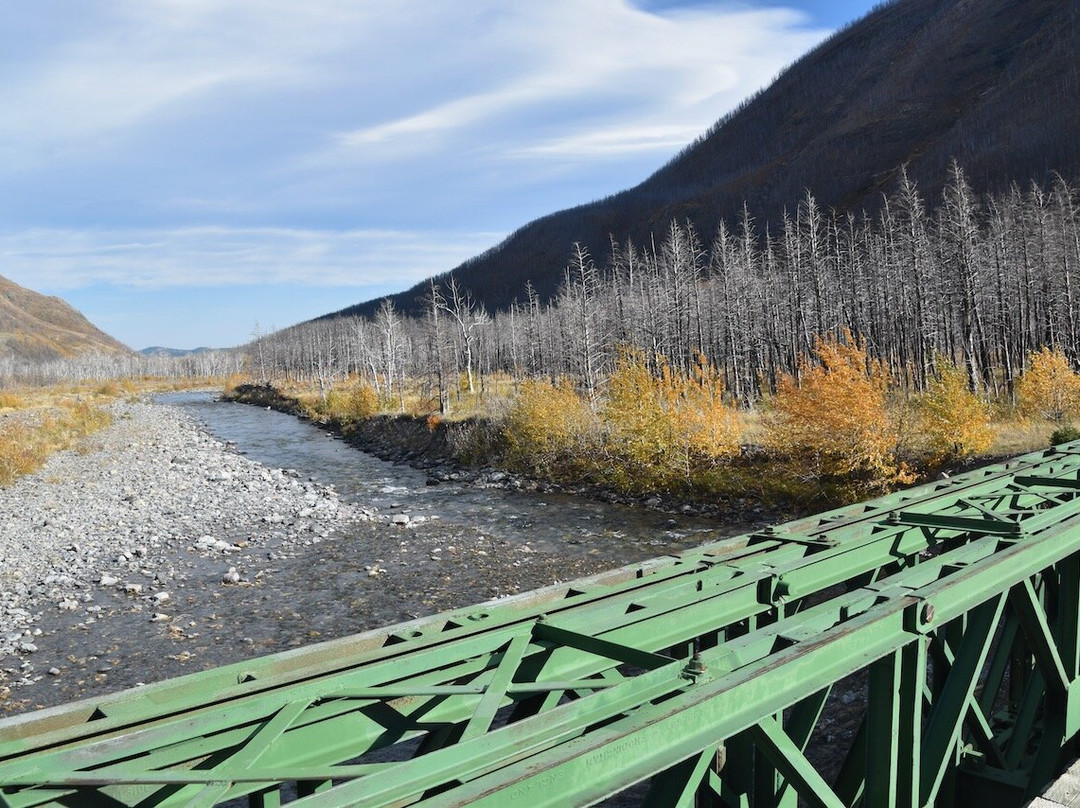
990 83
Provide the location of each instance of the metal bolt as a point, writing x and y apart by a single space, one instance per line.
695 667
928 613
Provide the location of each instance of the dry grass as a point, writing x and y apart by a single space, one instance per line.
37 422
490 395
1021 435
10 400
26 443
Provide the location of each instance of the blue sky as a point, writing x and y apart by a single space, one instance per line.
183 171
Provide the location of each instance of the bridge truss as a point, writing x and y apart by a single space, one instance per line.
915 650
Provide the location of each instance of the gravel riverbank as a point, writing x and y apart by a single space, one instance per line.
159 550
124 515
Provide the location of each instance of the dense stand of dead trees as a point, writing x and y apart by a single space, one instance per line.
211 364
982 281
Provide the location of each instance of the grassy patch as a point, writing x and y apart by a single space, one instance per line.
39 422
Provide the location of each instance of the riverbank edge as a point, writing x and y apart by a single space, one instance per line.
445 450
118 524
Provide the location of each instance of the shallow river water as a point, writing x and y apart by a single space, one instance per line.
463 544
548 522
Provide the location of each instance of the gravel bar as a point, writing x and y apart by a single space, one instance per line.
124 512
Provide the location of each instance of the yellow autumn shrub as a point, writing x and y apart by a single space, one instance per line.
954 421
834 420
637 427
343 404
661 425
547 425
707 427
359 402
1050 388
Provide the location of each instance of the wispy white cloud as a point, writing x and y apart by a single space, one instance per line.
117 65
223 256
158 144
617 66
356 81
615 141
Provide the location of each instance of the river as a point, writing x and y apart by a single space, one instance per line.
548 522
462 544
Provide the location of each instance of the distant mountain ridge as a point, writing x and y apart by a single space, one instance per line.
38 328
174 353
990 83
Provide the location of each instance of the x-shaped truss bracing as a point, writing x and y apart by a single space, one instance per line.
919 649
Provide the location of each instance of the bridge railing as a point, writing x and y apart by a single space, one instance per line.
918 649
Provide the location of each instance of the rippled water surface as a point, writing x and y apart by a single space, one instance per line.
547 521
464 544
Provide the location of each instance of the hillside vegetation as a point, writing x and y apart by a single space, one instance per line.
36 328
856 353
917 83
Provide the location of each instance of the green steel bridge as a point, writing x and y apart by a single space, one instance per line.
920 649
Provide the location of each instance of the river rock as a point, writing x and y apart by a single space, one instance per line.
154 487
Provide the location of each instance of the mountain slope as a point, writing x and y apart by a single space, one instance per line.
172 353
991 83
37 328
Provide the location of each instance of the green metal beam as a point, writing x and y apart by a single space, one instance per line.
573 693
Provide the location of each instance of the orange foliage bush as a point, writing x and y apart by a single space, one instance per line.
835 421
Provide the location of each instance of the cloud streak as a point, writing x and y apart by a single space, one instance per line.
216 257
156 144
626 66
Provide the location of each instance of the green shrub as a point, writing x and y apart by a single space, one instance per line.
1064 434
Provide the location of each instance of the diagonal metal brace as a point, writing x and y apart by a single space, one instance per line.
986 527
